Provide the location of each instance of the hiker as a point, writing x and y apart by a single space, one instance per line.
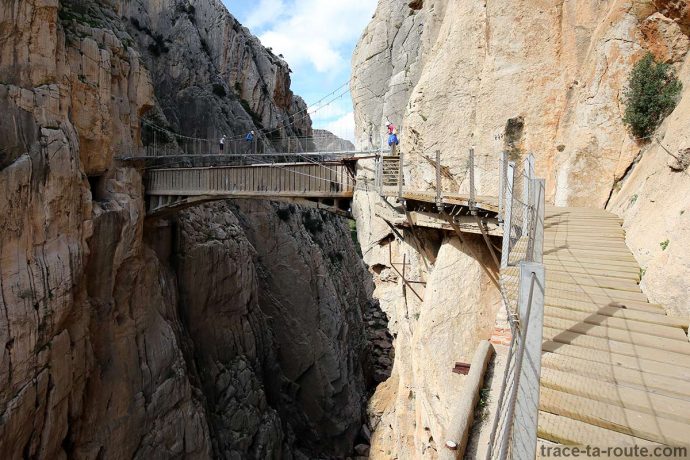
222 143
391 128
250 141
393 142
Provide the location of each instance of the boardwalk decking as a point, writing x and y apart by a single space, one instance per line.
615 368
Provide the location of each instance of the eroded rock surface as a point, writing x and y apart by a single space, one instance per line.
541 77
130 338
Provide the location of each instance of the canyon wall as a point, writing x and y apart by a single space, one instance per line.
125 337
544 77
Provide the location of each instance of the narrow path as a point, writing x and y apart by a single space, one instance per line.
615 368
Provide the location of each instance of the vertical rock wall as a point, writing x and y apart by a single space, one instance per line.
128 338
542 77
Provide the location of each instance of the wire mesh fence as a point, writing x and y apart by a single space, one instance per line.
514 431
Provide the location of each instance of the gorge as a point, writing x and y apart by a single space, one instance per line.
258 329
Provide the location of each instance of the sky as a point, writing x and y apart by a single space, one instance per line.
317 38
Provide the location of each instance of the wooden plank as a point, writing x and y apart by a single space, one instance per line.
656 316
613 346
673 408
574 270
615 418
586 254
585 280
619 335
565 298
602 298
613 246
675 333
617 359
565 430
569 264
559 287
637 378
589 260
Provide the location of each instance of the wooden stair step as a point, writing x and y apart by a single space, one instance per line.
593 272
613 293
613 298
582 254
637 378
673 408
583 280
614 346
674 333
565 430
618 335
615 418
570 260
617 359
656 316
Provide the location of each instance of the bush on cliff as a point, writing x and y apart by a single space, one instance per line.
652 94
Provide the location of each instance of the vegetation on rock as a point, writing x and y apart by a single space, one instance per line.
652 94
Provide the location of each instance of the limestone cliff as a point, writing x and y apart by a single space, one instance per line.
130 338
542 77
326 141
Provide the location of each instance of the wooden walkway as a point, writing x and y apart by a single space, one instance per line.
170 189
615 368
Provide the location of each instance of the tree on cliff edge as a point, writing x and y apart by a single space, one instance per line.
652 94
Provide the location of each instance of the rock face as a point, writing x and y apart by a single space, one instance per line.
212 76
326 141
519 77
129 338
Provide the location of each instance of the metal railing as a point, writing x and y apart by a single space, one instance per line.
159 146
522 205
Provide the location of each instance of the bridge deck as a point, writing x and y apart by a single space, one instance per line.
615 368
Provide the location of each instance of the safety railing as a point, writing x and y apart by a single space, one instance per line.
461 181
522 205
160 146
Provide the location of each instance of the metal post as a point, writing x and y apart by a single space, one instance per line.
502 184
527 183
473 194
525 398
535 249
400 176
439 184
507 223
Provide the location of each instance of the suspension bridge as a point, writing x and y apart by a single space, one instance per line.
589 361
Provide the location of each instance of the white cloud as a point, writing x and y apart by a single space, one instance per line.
337 108
315 31
265 13
343 127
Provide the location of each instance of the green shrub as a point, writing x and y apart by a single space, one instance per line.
652 94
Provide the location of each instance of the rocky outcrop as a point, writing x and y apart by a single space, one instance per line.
326 141
211 75
277 326
128 338
516 77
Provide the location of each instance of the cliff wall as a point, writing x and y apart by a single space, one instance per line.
542 77
129 338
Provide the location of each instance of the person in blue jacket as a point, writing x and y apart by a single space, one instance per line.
393 142
250 141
